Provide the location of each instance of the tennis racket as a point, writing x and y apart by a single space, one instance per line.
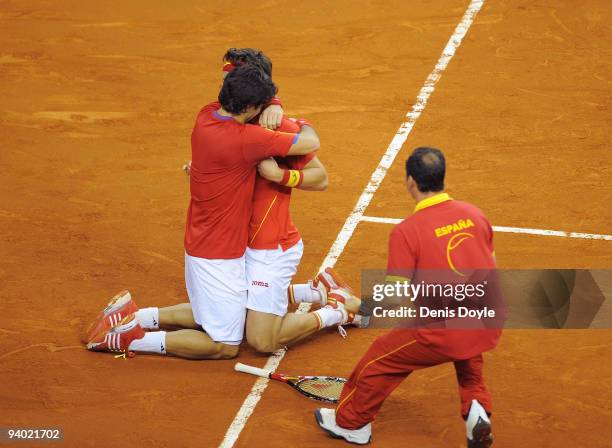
322 388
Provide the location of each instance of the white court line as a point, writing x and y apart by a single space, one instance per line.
353 219
504 229
381 220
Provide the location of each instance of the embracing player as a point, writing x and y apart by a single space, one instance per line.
275 246
274 253
216 271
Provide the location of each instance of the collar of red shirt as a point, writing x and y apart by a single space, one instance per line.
433 200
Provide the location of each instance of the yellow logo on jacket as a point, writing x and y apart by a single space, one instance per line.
453 243
462 224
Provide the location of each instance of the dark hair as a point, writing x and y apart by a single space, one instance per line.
249 56
427 167
246 86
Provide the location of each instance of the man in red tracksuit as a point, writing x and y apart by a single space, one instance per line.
442 234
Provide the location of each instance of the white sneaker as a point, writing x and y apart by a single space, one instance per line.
320 288
478 427
326 418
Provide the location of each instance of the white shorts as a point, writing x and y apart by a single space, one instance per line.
217 291
269 274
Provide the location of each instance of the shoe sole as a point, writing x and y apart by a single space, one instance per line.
319 420
483 438
354 309
337 279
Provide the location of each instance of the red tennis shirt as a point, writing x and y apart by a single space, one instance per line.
450 236
271 223
225 154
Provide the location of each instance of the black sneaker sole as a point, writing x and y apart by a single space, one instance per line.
482 435
319 420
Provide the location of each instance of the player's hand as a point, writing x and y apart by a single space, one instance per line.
271 117
187 168
269 169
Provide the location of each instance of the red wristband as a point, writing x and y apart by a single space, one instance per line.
301 122
292 178
275 101
285 179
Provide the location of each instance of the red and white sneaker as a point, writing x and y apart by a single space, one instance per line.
120 306
346 302
327 280
118 338
344 297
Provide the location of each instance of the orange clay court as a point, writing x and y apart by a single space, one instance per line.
98 103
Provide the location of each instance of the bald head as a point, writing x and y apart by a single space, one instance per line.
427 167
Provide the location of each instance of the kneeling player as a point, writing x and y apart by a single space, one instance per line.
272 258
274 252
267 327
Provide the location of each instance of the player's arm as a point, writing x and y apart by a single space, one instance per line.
306 141
400 270
312 177
492 247
391 299
260 143
489 237
315 176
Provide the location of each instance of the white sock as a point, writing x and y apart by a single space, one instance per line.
329 316
304 293
148 318
152 342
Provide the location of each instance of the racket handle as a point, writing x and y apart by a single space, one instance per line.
239 367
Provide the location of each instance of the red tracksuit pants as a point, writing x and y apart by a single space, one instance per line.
388 361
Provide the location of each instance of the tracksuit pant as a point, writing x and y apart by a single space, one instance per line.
388 361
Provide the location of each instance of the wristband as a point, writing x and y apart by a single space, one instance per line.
275 101
292 178
301 122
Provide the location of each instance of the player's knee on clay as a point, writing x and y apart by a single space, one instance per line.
262 344
226 351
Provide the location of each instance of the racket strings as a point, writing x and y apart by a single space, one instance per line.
323 388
